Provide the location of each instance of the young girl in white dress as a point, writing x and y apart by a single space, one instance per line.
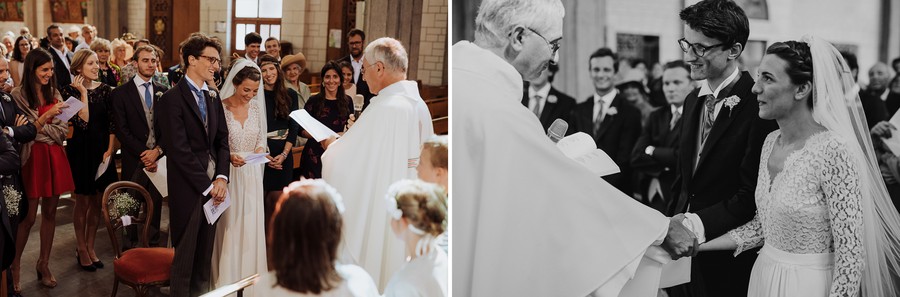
824 218
418 213
304 237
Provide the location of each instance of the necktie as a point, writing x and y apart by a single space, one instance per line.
599 118
201 102
708 117
537 105
148 99
676 115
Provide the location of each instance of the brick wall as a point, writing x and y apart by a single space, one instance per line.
433 42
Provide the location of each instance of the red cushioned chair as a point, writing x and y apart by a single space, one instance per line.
143 267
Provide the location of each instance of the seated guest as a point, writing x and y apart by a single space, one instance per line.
306 232
418 213
654 154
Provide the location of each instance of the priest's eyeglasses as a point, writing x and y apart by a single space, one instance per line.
554 45
698 49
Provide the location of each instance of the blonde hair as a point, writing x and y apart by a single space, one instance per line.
388 51
81 57
438 147
424 205
100 43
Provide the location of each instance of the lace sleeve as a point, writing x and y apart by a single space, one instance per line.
748 236
840 184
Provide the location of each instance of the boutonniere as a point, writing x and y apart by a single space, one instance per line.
612 111
213 94
158 94
6 98
552 99
731 102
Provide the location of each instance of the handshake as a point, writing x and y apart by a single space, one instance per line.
680 241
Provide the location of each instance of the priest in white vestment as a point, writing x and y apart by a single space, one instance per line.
383 146
527 220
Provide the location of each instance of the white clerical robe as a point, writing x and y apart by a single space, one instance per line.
381 148
527 220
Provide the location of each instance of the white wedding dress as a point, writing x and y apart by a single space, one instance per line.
240 246
808 220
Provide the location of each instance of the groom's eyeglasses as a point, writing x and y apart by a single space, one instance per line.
554 45
698 49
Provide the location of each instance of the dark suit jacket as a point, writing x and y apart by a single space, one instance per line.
59 68
21 134
616 136
132 130
562 109
9 165
662 164
721 188
892 104
874 108
189 148
362 87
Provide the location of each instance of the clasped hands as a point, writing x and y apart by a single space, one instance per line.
680 241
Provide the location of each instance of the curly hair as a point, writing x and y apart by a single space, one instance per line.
722 20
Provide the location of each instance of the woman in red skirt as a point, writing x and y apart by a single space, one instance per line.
45 169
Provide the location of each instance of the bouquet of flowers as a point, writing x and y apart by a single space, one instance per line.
12 197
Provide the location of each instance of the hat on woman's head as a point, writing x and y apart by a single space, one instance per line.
298 58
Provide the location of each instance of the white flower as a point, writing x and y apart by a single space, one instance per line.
159 94
12 197
731 102
552 99
6 98
213 94
123 204
335 196
612 111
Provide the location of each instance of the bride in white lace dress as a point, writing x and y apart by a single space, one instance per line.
824 220
240 247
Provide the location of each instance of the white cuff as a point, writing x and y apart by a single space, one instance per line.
222 176
9 131
692 222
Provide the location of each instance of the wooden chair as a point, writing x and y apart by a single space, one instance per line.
143 267
238 287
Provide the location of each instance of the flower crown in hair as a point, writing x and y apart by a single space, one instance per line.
332 192
391 197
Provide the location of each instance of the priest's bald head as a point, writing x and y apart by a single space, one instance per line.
384 63
525 33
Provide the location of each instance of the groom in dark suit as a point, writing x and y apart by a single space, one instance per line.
135 130
607 116
721 140
195 137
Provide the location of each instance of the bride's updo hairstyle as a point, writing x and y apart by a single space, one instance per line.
246 73
799 61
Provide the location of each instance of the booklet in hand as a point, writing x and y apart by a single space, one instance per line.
312 126
73 105
582 148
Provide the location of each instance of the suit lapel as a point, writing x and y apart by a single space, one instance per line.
136 102
724 118
584 118
608 119
690 122
547 111
188 96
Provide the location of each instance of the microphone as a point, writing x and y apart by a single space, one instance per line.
557 130
358 101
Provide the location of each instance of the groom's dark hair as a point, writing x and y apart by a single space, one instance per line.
194 46
723 20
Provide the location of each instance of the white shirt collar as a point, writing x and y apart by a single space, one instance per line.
884 95
706 90
404 87
608 98
138 81
254 60
543 91
204 88
678 109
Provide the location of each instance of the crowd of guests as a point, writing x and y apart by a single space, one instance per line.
133 105
635 114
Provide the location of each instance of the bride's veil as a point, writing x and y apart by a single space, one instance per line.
837 107
228 89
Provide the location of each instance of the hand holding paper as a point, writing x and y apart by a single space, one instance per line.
315 128
71 107
582 148
212 209
103 166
